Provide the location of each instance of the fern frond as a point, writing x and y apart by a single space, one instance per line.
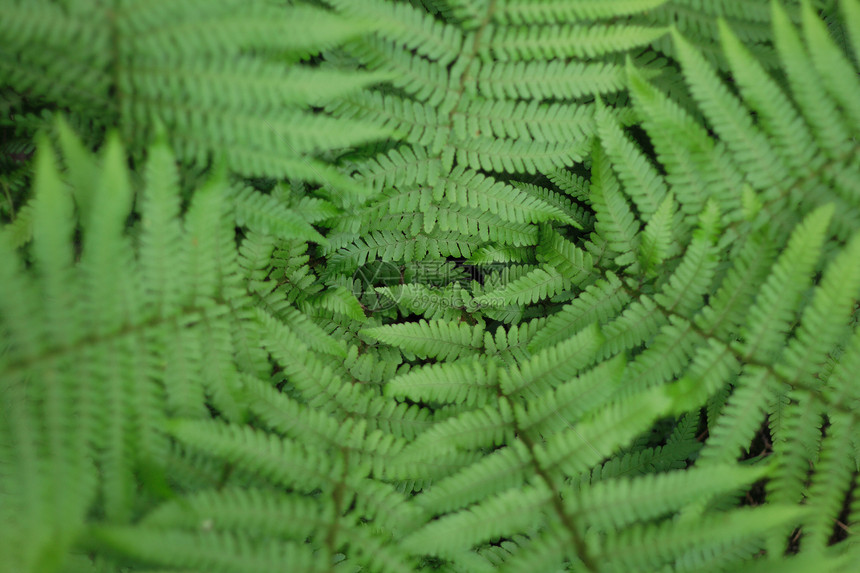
469 188
697 169
615 221
258 27
742 415
667 355
641 181
340 300
431 303
265 214
551 123
469 382
513 511
554 364
556 408
545 551
511 344
645 548
773 311
538 284
211 551
489 474
727 308
698 21
399 168
284 462
748 145
496 285
372 367
834 68
831 482
311 333
575 265
541 79
690 281
499 254
657 244
641 320
164 63
574 185
577 216
249 510
822 325
516 155
77 47
819 109
530 43
415 121
417 76
796 448
361 442
829 562
850 12
653 495
520 12
398 246
409 27
469 221
434 339
597 303
776 113
579 446
322 387
125 341
161 249
490 425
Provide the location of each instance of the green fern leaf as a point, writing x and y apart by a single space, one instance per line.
434 339
774 308
538 284
615 221
566 41
641 181
653 495
469 382
211 551
835 70
520 12
649 547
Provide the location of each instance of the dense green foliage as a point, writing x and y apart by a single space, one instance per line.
450 285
